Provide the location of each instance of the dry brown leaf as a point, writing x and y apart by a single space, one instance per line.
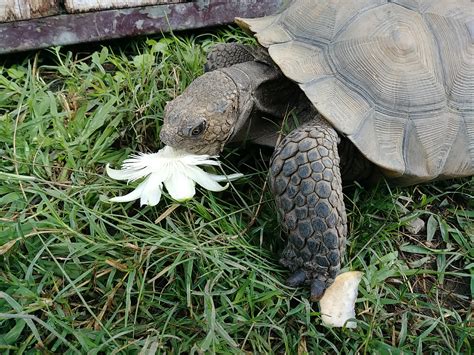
117 265
7 246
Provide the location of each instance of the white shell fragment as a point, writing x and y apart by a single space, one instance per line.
338 303
415 226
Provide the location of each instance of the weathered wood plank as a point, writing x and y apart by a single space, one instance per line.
74 6
14 10
109 24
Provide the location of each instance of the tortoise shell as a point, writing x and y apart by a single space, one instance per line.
395 77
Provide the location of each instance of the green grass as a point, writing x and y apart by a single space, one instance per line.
81 275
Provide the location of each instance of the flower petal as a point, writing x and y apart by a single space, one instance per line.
118 174
199 160
132 196
127 173
231 177
146 162
177 169
180 187
204 179
151 193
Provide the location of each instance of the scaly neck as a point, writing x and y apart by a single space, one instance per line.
262 90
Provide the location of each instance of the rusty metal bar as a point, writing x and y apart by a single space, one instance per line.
109 24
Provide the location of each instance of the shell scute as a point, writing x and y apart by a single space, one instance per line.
395 77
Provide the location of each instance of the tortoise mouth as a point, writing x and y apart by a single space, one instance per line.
206 149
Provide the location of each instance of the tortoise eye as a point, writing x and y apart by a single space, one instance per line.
198 129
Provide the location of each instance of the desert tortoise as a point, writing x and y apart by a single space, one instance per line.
386 83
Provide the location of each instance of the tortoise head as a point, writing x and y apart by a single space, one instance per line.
203 118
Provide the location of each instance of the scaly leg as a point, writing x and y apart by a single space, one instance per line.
306 182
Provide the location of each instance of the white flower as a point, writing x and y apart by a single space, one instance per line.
338 302
176 169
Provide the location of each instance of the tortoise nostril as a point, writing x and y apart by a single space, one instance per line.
172 116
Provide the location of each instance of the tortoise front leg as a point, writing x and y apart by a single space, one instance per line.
306 182
224 55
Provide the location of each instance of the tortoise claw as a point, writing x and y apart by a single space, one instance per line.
317 290
296 279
